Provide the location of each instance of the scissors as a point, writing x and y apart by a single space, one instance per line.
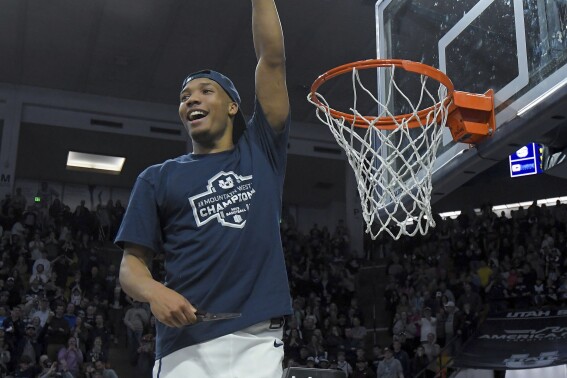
209 316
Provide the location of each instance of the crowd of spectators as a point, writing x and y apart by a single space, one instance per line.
438 288
62 308
61 305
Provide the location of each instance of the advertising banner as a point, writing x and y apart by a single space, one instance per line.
518 340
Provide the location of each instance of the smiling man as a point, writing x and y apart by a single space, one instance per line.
215 214
209 105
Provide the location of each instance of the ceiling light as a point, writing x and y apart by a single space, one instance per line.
92 162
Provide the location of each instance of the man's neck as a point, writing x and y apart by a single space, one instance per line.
223 143
203 150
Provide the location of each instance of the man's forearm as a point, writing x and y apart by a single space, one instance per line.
136 279
267 32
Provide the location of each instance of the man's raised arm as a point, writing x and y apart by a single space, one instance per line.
271 89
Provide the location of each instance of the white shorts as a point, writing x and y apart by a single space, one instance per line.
254 352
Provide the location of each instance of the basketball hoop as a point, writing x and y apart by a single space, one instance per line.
393 155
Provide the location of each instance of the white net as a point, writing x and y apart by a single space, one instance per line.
392 167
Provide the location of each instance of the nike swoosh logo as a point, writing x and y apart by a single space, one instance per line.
276 344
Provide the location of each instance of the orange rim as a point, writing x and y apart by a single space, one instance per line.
384 123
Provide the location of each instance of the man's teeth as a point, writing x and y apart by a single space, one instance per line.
196 115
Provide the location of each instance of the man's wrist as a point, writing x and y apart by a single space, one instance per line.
151 290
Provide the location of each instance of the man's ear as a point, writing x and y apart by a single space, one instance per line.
232 109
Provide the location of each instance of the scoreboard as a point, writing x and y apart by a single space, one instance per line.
526 161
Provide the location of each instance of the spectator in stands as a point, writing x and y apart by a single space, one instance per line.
362 370
389 367
135 319
92 282
334 340
538 293
520 295
70 315
303 355
25 368
90 313
18 232
377 356
403 324
117 303
446 292
58 332
57 213
49 369
76 296
146 356
14 292
451 316
28 345
6 204
467 321
495 293
100 331
470 297
419 362
118 212
82 218
395 269
6 361
36 246
349 344
342 363
484 272
111 278
315 346
551 292
102 371
359 353
332 314
71 357
293 343
96 352
81 333
432 350
62 266
40 275
309 326
104 220
358 332
402 356
437 304
13 326
428 324
440 331
42 260
22 268
18 202
68 246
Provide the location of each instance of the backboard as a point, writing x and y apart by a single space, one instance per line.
518 48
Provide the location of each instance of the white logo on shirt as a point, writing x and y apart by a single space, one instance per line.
227 200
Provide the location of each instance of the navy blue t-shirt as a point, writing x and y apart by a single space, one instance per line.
216 217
